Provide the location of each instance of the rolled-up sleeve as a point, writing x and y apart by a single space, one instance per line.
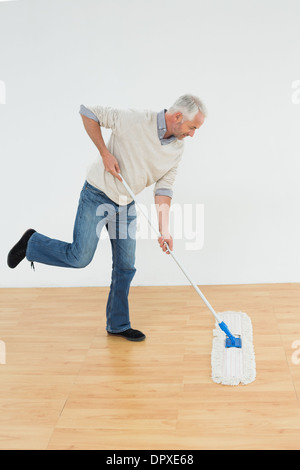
86 112
107 117
164 192
164 186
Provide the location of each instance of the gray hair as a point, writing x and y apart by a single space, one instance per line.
189 106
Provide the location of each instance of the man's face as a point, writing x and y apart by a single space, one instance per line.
187 128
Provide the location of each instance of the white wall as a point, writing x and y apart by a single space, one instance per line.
241 57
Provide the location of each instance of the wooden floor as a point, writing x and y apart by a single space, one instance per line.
67 385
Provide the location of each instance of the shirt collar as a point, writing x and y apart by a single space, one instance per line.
162 128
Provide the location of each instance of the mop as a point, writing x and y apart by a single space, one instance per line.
233 358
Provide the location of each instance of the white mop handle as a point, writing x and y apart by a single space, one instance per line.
172 253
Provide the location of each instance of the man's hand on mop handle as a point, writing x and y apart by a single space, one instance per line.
165 240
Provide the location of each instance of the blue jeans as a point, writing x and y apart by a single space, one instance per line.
96 210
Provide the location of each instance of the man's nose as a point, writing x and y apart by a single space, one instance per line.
191 133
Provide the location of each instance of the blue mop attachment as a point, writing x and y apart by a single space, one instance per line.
231 341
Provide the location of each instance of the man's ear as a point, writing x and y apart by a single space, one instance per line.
178 116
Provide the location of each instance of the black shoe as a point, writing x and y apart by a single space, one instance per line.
131 335
18 252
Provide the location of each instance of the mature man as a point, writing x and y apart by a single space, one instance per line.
146 148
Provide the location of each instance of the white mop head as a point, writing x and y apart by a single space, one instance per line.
233 366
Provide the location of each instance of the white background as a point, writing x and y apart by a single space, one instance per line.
241 57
